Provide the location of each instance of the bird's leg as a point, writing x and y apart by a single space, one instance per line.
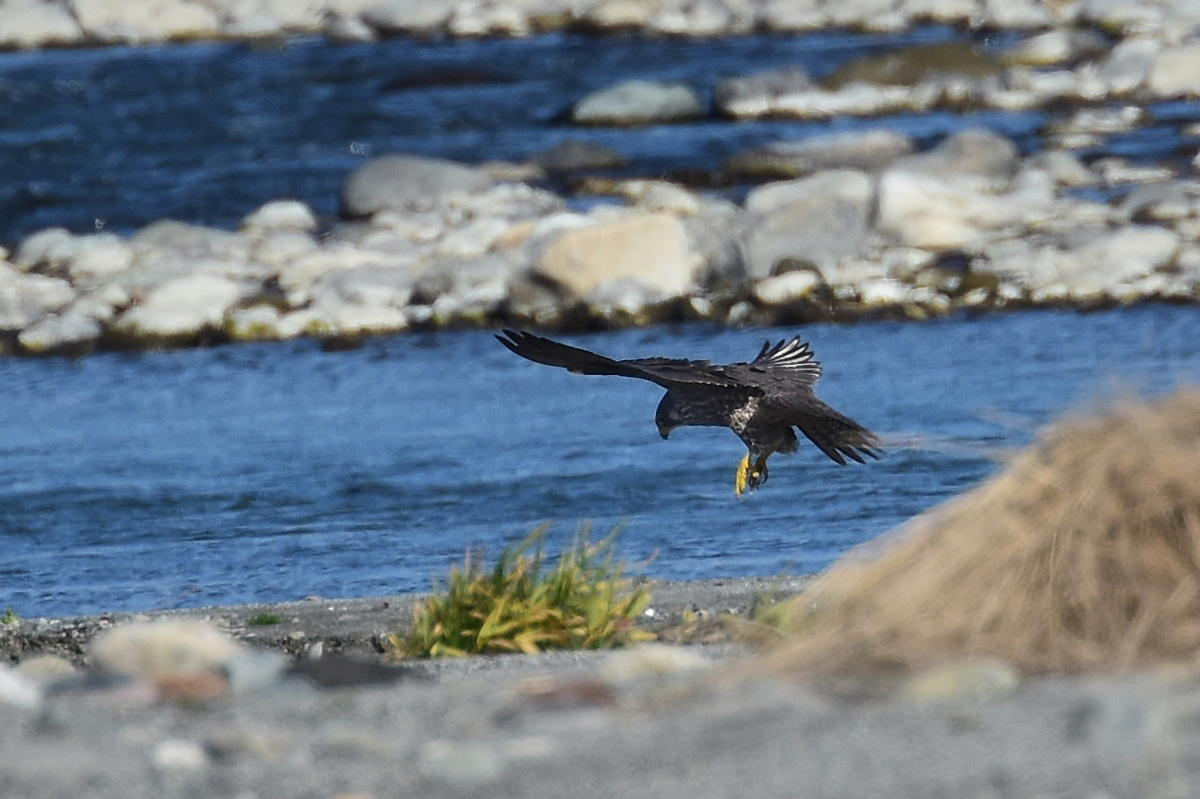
758 473
751 476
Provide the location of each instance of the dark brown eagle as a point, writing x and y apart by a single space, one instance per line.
761 400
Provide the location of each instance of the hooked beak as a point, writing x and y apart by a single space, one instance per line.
664 431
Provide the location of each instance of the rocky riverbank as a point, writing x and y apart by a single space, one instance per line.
34 23
874 230
838 226
221 712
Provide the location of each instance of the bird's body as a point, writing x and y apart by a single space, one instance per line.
761 401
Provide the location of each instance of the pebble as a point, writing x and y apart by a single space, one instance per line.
179 754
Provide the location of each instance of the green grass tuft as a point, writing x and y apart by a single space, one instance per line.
9 616
583 603
263 620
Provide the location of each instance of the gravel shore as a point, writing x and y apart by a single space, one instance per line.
652 721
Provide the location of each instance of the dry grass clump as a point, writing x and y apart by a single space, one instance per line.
1084 553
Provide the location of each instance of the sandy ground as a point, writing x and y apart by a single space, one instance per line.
701 719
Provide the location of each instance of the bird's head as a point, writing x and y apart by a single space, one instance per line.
667 416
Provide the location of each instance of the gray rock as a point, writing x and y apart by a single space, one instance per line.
399 182
818 221
1129 64
639 102
660 195
280 215
863 150
271 17
501 19
504 200
715 235
1027 14
758 94
463 289
19 690
951 11
347 29
178 755
26 298
620 14
148 21
473 239
160 648
180 239
1059 47
913 65
414 17
1162 202
787 287
277 249
68 333
697 18
47 669
37 24
1121 15
921 210
368 299
649 248
47 250
960 193
873 15
253 670
578 155
256 323
179 310
975 153
99 257
1104 262
794 16
1176 72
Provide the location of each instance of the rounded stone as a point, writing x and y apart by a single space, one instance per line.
158 648
399 182
639 102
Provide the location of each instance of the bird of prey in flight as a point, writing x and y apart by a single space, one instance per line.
761 400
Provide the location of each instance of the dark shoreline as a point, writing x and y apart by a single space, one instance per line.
357 627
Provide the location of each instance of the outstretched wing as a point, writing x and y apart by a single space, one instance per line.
666 372
838 436
788 365
787 372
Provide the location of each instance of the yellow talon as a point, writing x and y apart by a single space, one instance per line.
739 483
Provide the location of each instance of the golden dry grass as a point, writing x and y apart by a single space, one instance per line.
1082 554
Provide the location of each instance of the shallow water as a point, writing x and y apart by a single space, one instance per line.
274 472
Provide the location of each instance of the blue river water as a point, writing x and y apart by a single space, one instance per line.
274 472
